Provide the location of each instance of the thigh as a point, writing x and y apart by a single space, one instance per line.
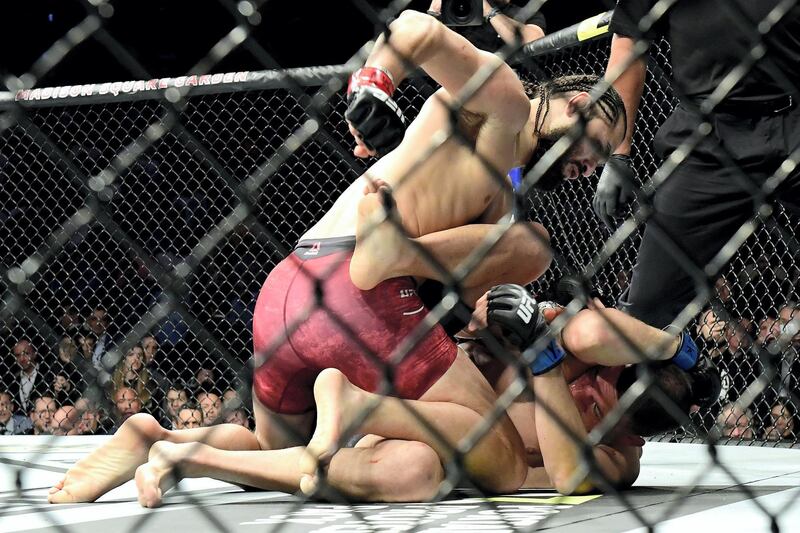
276 431
463 384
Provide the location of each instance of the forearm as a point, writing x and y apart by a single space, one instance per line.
560 431
508 28
562 438
609 337
629 82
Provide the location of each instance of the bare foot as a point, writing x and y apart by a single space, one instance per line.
339 404
158 474
109 466
381 246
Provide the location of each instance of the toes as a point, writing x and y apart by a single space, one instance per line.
60 496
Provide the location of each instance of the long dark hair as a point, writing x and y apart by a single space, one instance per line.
609 103
648 416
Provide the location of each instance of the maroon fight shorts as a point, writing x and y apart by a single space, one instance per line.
295 336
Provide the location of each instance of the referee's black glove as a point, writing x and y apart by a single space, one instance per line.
615 189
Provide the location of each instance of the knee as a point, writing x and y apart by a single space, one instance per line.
507 472
146 427
417 477
532 251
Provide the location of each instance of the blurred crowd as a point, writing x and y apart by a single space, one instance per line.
87 385
757 353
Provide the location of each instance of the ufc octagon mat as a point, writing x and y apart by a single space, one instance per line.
680 489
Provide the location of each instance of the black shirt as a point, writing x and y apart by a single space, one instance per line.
485 36
709 38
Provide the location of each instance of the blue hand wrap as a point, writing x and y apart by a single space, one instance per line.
686 356
547 359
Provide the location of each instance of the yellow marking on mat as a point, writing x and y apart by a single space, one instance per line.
589 28
554 500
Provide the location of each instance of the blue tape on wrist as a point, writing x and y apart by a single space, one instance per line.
549 358
516 177
687 354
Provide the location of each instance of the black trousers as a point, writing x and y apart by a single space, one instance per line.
704 202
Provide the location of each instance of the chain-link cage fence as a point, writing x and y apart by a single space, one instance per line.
140 219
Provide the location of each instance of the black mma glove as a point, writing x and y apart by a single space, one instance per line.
371 110
615 189
516 313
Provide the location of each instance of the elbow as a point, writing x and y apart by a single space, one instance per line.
415 26
567 484
586 333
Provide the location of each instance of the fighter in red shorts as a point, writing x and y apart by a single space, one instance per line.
450 189
318 319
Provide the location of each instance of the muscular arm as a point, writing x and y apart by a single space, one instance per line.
609 337
506 27
629 83
420 40
560 442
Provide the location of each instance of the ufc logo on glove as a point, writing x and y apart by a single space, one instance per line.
525 310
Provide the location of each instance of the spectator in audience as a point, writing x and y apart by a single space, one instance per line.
769 329
782 421
175 398
130 372
713 331
32 380
736 422
501 22
86 342
89 423
67 355
63 421
12 423
728 343
204 379
237 416
231 400
97 323
126 404
789 317
69 321
64 391
93 420
211 406
189 416
150 348
43 408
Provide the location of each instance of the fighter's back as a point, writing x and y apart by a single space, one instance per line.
438 181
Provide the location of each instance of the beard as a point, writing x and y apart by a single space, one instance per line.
553 177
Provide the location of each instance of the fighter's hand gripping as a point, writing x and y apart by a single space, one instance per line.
374 117
517 314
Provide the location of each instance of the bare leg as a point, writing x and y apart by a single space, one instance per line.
379 242
111 465
116 462
454 406
387 471
521 255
